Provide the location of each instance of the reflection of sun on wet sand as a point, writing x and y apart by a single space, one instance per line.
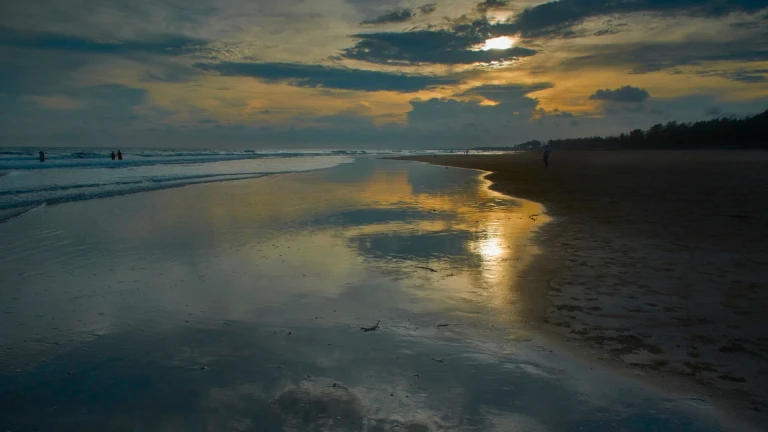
656 259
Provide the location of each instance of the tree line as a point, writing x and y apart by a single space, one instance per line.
725 132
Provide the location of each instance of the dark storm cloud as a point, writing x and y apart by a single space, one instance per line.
554 16
158 44
427 46
303 75
396 16
622 94
505 93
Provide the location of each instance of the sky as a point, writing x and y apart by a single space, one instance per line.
370 73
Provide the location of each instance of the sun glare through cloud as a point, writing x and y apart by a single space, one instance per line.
498 43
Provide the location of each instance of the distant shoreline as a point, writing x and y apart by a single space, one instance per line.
654 259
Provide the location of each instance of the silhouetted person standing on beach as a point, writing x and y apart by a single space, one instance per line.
113 155
546 156
119 155
42 156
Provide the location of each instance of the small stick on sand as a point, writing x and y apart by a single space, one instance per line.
427 268
367 329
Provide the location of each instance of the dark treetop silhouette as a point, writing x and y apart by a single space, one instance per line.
725 132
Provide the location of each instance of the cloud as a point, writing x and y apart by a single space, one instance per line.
428 46
99 109
689 107
396 16
168 72
155 44
54 102
554 16
54 58
515 120
428 8
25 74
303 75
491 4
740 75
505 92
644 57
450 114
712 111
627 94
606 32
116 94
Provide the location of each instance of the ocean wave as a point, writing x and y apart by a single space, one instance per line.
96 160
62 188
111 191
27 158
26 188
76 174
89 155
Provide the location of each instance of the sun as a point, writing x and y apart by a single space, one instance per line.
499 43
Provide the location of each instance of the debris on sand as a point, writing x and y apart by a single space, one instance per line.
533 217
367 329
438 360
446 324
427 268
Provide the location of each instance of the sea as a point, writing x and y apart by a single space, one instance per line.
75 174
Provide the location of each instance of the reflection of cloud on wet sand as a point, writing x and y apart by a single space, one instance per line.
477 239
331 405
500 421
323 406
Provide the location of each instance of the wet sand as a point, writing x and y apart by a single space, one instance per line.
240 306
656 260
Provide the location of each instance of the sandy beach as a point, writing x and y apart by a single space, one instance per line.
656 260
